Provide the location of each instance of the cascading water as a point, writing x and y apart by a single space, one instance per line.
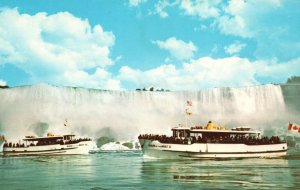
125 114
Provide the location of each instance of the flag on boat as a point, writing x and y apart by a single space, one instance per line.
294 127
189 103
66 123
187 112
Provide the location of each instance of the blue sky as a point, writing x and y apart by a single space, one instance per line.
128 44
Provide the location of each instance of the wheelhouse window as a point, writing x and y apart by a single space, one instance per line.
181 133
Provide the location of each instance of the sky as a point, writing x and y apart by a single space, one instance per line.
130 44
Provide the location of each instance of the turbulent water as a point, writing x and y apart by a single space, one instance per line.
130 170
34 110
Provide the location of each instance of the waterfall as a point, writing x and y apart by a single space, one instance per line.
34 110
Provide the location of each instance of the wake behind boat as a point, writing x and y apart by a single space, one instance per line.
212 141
49 145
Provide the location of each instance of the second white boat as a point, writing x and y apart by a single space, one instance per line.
50 145
212 142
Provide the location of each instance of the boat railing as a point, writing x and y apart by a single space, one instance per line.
192 140
14 145
74 141
45 143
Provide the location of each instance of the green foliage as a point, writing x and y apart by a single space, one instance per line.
104 140
129 145
293 80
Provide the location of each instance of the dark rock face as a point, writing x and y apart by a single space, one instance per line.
129 145
104 140
291 94
39 128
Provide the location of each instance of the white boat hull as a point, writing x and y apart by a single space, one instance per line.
83 147
211 150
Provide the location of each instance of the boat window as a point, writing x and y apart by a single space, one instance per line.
175 134
184 133
180 133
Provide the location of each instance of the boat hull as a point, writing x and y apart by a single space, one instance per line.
211 150
83 147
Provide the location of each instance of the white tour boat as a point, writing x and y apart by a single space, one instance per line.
49 145
212 141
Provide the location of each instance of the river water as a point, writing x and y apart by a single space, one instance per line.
132 170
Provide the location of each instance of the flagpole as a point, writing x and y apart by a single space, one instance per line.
188 113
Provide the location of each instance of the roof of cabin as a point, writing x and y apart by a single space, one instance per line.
215 131
43 138
46 138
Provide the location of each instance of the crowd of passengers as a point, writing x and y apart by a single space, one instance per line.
237 139
46 142
13 145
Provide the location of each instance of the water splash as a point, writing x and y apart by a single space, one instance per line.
41 108
117 146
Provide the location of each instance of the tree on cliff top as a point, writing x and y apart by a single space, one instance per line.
293 80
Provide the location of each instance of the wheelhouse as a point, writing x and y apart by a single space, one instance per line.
68 137
181 132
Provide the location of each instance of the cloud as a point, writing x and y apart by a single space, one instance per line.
177 48
101 78
135 3
207 72
197 74
243 18
268 23
57 48
161 76
278 72
234 26
2 83
203 9
234 48
159 9
160 6
232 21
